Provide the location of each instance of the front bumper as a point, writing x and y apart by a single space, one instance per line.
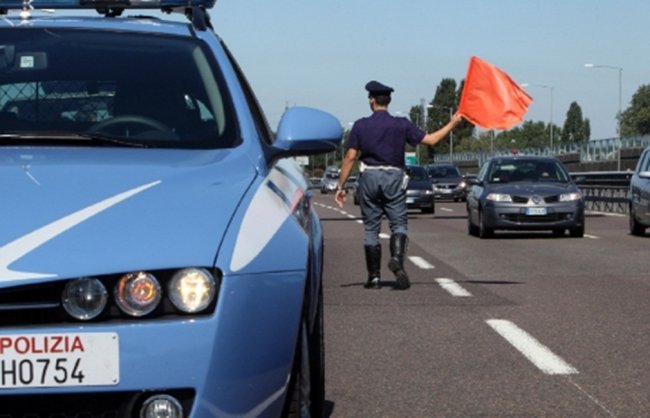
449 193
233 362
513 216
422 201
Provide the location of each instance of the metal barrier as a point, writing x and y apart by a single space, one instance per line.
593 150
605 191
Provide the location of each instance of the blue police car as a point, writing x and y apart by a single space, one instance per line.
159 254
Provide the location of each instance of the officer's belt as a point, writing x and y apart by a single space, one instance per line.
382 167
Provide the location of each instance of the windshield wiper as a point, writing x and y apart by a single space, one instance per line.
72 138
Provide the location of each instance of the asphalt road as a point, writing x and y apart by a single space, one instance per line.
521 325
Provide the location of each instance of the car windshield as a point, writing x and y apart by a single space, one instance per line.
441 172
139 89
417 173
507 171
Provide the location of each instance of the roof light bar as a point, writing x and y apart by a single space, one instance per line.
98 4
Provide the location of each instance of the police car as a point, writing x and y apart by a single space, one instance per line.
159 254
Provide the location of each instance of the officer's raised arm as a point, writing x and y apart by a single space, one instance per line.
434 137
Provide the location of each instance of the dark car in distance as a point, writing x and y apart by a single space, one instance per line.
639 195
448 182
419 192
524 193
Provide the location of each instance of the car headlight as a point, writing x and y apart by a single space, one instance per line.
499 197
84 298
138 294
428 192
192 289
462 185
570 197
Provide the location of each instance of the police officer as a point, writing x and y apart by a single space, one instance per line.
380 142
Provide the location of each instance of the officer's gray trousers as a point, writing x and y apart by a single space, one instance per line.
381 193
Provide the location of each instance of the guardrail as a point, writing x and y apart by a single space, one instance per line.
605 191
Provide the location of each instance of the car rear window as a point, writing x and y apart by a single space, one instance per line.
164 91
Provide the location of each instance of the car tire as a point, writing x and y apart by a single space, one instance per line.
299 390
427 210
306 392
483 230
317 360
577 232
471 228
636 228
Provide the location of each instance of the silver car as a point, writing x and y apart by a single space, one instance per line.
640 195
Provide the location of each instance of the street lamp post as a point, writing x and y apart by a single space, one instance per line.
550 88
620 105
451 133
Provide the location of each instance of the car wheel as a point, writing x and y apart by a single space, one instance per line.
307 384
471 228
317 361
635 227
483 231
577 232
299 391
427 210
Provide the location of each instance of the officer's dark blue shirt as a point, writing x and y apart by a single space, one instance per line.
381 138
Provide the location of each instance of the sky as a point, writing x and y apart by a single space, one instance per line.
322 53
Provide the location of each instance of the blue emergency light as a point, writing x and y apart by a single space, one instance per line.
98 4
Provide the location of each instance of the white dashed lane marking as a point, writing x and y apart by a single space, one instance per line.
453 288
537 353
421 262
540 355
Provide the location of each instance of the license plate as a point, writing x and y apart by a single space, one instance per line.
535 211
55 360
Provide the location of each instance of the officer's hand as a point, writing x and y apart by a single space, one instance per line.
340 197
456 119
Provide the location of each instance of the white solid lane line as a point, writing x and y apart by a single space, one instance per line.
453 288
540 355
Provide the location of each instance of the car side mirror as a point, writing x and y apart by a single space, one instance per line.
306 131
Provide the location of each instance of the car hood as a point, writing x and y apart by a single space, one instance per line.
531 188
68 213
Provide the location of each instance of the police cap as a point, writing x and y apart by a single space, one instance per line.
375 88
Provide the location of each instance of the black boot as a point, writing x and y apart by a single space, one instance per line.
373 264
398 244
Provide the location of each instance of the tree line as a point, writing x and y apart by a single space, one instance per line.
634 121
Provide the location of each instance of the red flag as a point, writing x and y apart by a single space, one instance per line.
490 98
